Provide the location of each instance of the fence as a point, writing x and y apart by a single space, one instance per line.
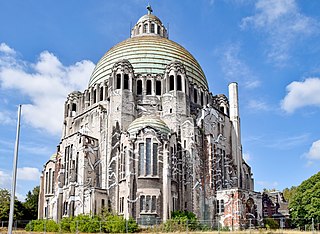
250 226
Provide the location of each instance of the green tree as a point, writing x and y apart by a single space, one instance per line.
305 203
31 204
5 206
288 193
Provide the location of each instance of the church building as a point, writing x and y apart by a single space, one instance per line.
147 137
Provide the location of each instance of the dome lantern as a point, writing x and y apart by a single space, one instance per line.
149 25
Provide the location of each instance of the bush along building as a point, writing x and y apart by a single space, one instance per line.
147 137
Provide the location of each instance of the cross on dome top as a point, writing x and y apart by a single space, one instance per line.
149 9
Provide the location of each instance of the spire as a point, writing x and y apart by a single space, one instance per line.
149 9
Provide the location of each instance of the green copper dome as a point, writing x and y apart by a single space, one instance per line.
148 121
149 53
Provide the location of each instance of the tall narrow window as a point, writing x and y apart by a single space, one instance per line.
74 107
148 200
145 28
148 156
126 81
101 93
102 204
142 203
123 164
179 83
76 169
47 181
52 183
155 159
158 87
222 206
121 205
118 81
195 95
141 160
154 204
201 98
139 87
158 31
152 28
149 87
94 96
139 30
171 84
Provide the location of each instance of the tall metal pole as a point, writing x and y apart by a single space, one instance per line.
14 173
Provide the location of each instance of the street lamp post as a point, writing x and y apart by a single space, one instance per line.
14 173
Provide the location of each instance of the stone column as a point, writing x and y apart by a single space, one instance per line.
235 119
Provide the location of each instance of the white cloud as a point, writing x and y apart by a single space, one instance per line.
6 118
46 83
268 184
314 151
4 48
286 142
301 94
283 24
258 105
5 180
235 69
28 173
23 174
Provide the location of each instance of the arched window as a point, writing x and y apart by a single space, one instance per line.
158 87
171 84
152 28
158 31
195 95
222 109
139 87
149 87
145 28
118 81
126 81
139 29
74 109
179 83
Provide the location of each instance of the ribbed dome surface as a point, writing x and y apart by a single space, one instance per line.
148 55
148 121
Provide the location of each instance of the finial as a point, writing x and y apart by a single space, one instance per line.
149 9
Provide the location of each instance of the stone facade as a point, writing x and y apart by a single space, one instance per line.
147 138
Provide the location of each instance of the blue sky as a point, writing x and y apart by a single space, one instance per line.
270 47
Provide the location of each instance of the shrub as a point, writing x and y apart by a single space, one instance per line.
114 224
41 225
65 224
85 223
179 221
132 225
271 223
